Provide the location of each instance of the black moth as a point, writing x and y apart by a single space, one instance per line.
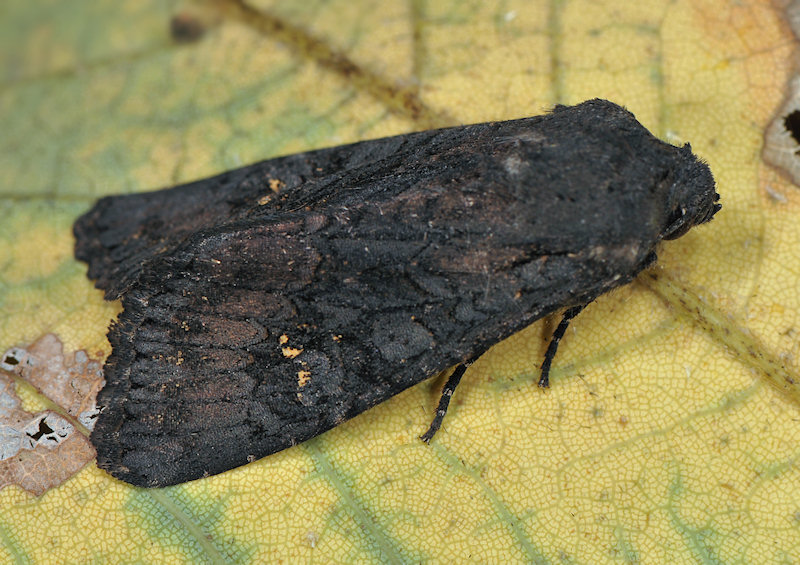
270 303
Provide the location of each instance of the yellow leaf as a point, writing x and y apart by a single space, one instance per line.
670 431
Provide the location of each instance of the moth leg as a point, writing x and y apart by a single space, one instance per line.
444 401
544 380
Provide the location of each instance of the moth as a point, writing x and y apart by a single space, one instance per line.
268 304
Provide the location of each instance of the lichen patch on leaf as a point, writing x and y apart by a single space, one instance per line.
41 450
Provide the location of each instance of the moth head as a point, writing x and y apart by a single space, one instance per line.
693 198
